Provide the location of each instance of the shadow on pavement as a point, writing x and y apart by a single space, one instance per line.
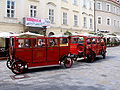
98 59
42 69
76 64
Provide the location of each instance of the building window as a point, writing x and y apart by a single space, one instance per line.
91 23
64 18
99 20
75 20
108 21
33 11
10 8
114 9
84 3
117 11
99 6
108 7
75 2
114 22
85 22
51 15
91 4
118 23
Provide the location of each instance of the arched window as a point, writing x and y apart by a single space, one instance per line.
51 11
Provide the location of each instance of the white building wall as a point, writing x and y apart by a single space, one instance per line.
22 9
88 13
112 14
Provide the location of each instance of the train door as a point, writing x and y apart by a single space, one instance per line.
94 45
88 45
88 41
103 44
39 50
98 46
73 44
52 51
64 46
23 49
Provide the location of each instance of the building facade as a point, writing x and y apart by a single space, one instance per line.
87 15
107 14
75 16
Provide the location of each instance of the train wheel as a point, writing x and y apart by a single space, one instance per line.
9 63
68 62
18 67
90 58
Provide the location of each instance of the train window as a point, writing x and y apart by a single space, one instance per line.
52 42
88 41
20 43
102 41
98 41
41 43
93 41
34 42
11 42
81 40
74 40
23 43
63 42
2 44
27 43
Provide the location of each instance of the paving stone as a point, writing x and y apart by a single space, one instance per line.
103 74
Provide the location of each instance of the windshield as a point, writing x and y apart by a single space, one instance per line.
77 40
11 42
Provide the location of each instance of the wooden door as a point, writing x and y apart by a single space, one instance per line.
52 51
39 51
23 50
94 45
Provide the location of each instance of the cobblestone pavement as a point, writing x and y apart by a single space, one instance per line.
103 74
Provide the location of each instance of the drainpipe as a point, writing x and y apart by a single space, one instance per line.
94 17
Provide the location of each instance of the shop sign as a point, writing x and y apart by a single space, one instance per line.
34 22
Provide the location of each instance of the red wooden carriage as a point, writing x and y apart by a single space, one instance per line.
41 51
25 53
87 47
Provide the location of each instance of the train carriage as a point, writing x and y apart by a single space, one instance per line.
26 53
87 47
41 51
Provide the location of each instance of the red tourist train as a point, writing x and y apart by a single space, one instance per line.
87 47
34 52
25 53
